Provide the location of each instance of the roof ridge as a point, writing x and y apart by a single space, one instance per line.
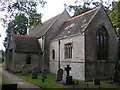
17 35
54 21
82 14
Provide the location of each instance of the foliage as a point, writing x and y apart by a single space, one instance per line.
115 16
18 25
86 6
13 8
1 65
119 50
20 16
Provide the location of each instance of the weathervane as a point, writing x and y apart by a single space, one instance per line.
65 5
101 1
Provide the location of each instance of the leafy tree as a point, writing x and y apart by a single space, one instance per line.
20 16
86 6
12 8
18 25
79 9
115 16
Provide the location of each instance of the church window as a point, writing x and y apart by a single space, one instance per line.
102 44
53 54
28 60
68 51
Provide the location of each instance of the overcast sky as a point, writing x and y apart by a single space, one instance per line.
52 8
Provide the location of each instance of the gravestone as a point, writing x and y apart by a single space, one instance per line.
24 72
96 82
116 77
44 75
34 72
59 74
68 77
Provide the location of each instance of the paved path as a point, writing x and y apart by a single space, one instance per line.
14 79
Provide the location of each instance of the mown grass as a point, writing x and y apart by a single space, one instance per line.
1 65
50 83
3 80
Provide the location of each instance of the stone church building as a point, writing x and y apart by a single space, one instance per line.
87 42
23 50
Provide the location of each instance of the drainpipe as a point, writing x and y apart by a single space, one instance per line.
43 43
59 56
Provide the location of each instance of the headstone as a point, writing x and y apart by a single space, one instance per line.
116 77
96 82
64 77
68 77
24 72
59 74
44 75
34 72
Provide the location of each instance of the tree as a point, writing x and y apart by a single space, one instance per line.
13 8
20 16
87 5
18 25
79 9
115 16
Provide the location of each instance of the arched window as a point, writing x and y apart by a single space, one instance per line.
53 54
28 61
68 50
102 44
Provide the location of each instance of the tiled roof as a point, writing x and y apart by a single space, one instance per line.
41 29
25 43
76 25
82 14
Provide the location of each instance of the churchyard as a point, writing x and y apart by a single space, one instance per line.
50 82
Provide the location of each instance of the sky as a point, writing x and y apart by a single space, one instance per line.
51 9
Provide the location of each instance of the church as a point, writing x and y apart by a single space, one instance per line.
87 42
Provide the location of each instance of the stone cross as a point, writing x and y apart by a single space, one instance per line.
68 68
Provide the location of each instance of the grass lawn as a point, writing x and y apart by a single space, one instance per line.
1 65
3 80
50 83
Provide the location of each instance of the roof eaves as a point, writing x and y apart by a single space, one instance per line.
27 36
66 37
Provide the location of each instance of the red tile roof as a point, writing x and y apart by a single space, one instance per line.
82 14
16 35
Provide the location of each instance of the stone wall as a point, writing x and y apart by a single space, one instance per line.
21 58
96 69
51 33
78 57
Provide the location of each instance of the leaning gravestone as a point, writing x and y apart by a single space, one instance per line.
59 74
34 72
96 82
24 72
68 77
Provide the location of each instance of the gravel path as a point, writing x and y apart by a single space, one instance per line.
21 83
